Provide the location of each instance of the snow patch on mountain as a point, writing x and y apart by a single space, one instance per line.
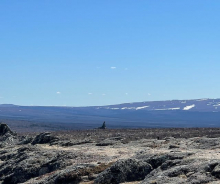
216 105
188 107
143 107
175 108
123 108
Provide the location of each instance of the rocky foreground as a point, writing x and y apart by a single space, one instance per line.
144 156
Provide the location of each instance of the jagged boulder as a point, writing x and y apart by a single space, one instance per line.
124 170
180 170
4 129
26 140
71 175
7 137
22 163
216 171
44 138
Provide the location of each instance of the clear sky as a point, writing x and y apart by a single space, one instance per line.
83 52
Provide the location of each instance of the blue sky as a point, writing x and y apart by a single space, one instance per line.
81 52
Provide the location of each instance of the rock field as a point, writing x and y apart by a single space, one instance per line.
138 156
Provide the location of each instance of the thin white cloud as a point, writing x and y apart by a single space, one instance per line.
89 93
58 92
113 67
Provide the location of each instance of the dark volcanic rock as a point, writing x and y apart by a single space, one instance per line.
158 160
72 143
124 170
7 137
4 129
173 146
44 138
72 160
216 171
189 171
26 162
108 142
206 143
71 175
26 140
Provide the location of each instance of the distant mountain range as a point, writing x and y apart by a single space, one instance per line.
200 105
152 114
